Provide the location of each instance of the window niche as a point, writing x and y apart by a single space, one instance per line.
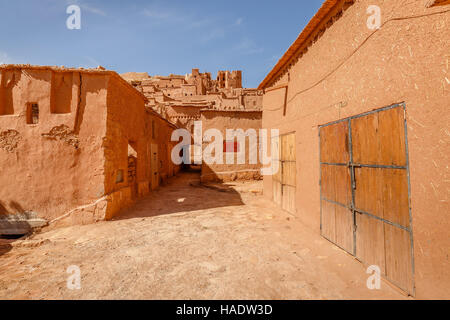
132 162
119 176
61 98
32 113
7 80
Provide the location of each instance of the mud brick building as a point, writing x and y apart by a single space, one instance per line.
180 98
249 121
76 145
363 116
220 104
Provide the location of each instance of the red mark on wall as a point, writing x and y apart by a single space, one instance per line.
230 146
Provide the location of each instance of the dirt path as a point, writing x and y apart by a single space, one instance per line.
188 242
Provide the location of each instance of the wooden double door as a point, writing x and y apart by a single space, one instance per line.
285 172
365 196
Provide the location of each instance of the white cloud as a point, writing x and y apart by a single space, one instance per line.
87 7
93 10
213 34
92 63
247 47
5 59
239 21
159 15
201 23
156 14
209 28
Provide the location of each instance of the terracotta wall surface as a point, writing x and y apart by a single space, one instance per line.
57 164
183 116
130 124
350 70
163 136
223 120
126 125
65 167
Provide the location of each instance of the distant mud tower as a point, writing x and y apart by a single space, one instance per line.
228 80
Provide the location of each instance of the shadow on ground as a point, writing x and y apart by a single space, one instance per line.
183 193
4 248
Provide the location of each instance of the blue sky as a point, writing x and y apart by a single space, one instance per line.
158 37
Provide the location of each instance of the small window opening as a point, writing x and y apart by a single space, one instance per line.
132 163
32 113
119 176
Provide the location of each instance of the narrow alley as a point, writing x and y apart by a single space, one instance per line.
188 241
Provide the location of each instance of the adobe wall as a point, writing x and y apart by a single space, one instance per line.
183 116
223 120
163 136
56 165
252 101
127 124
343 74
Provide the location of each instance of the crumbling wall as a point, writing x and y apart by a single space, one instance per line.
55 165
9 140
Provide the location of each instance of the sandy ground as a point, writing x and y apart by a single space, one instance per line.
186 241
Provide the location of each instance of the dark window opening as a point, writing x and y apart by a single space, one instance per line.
32 113
132 164
119 176
132 168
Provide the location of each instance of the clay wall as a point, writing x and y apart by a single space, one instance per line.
56 163
128 130
349 70
223 120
